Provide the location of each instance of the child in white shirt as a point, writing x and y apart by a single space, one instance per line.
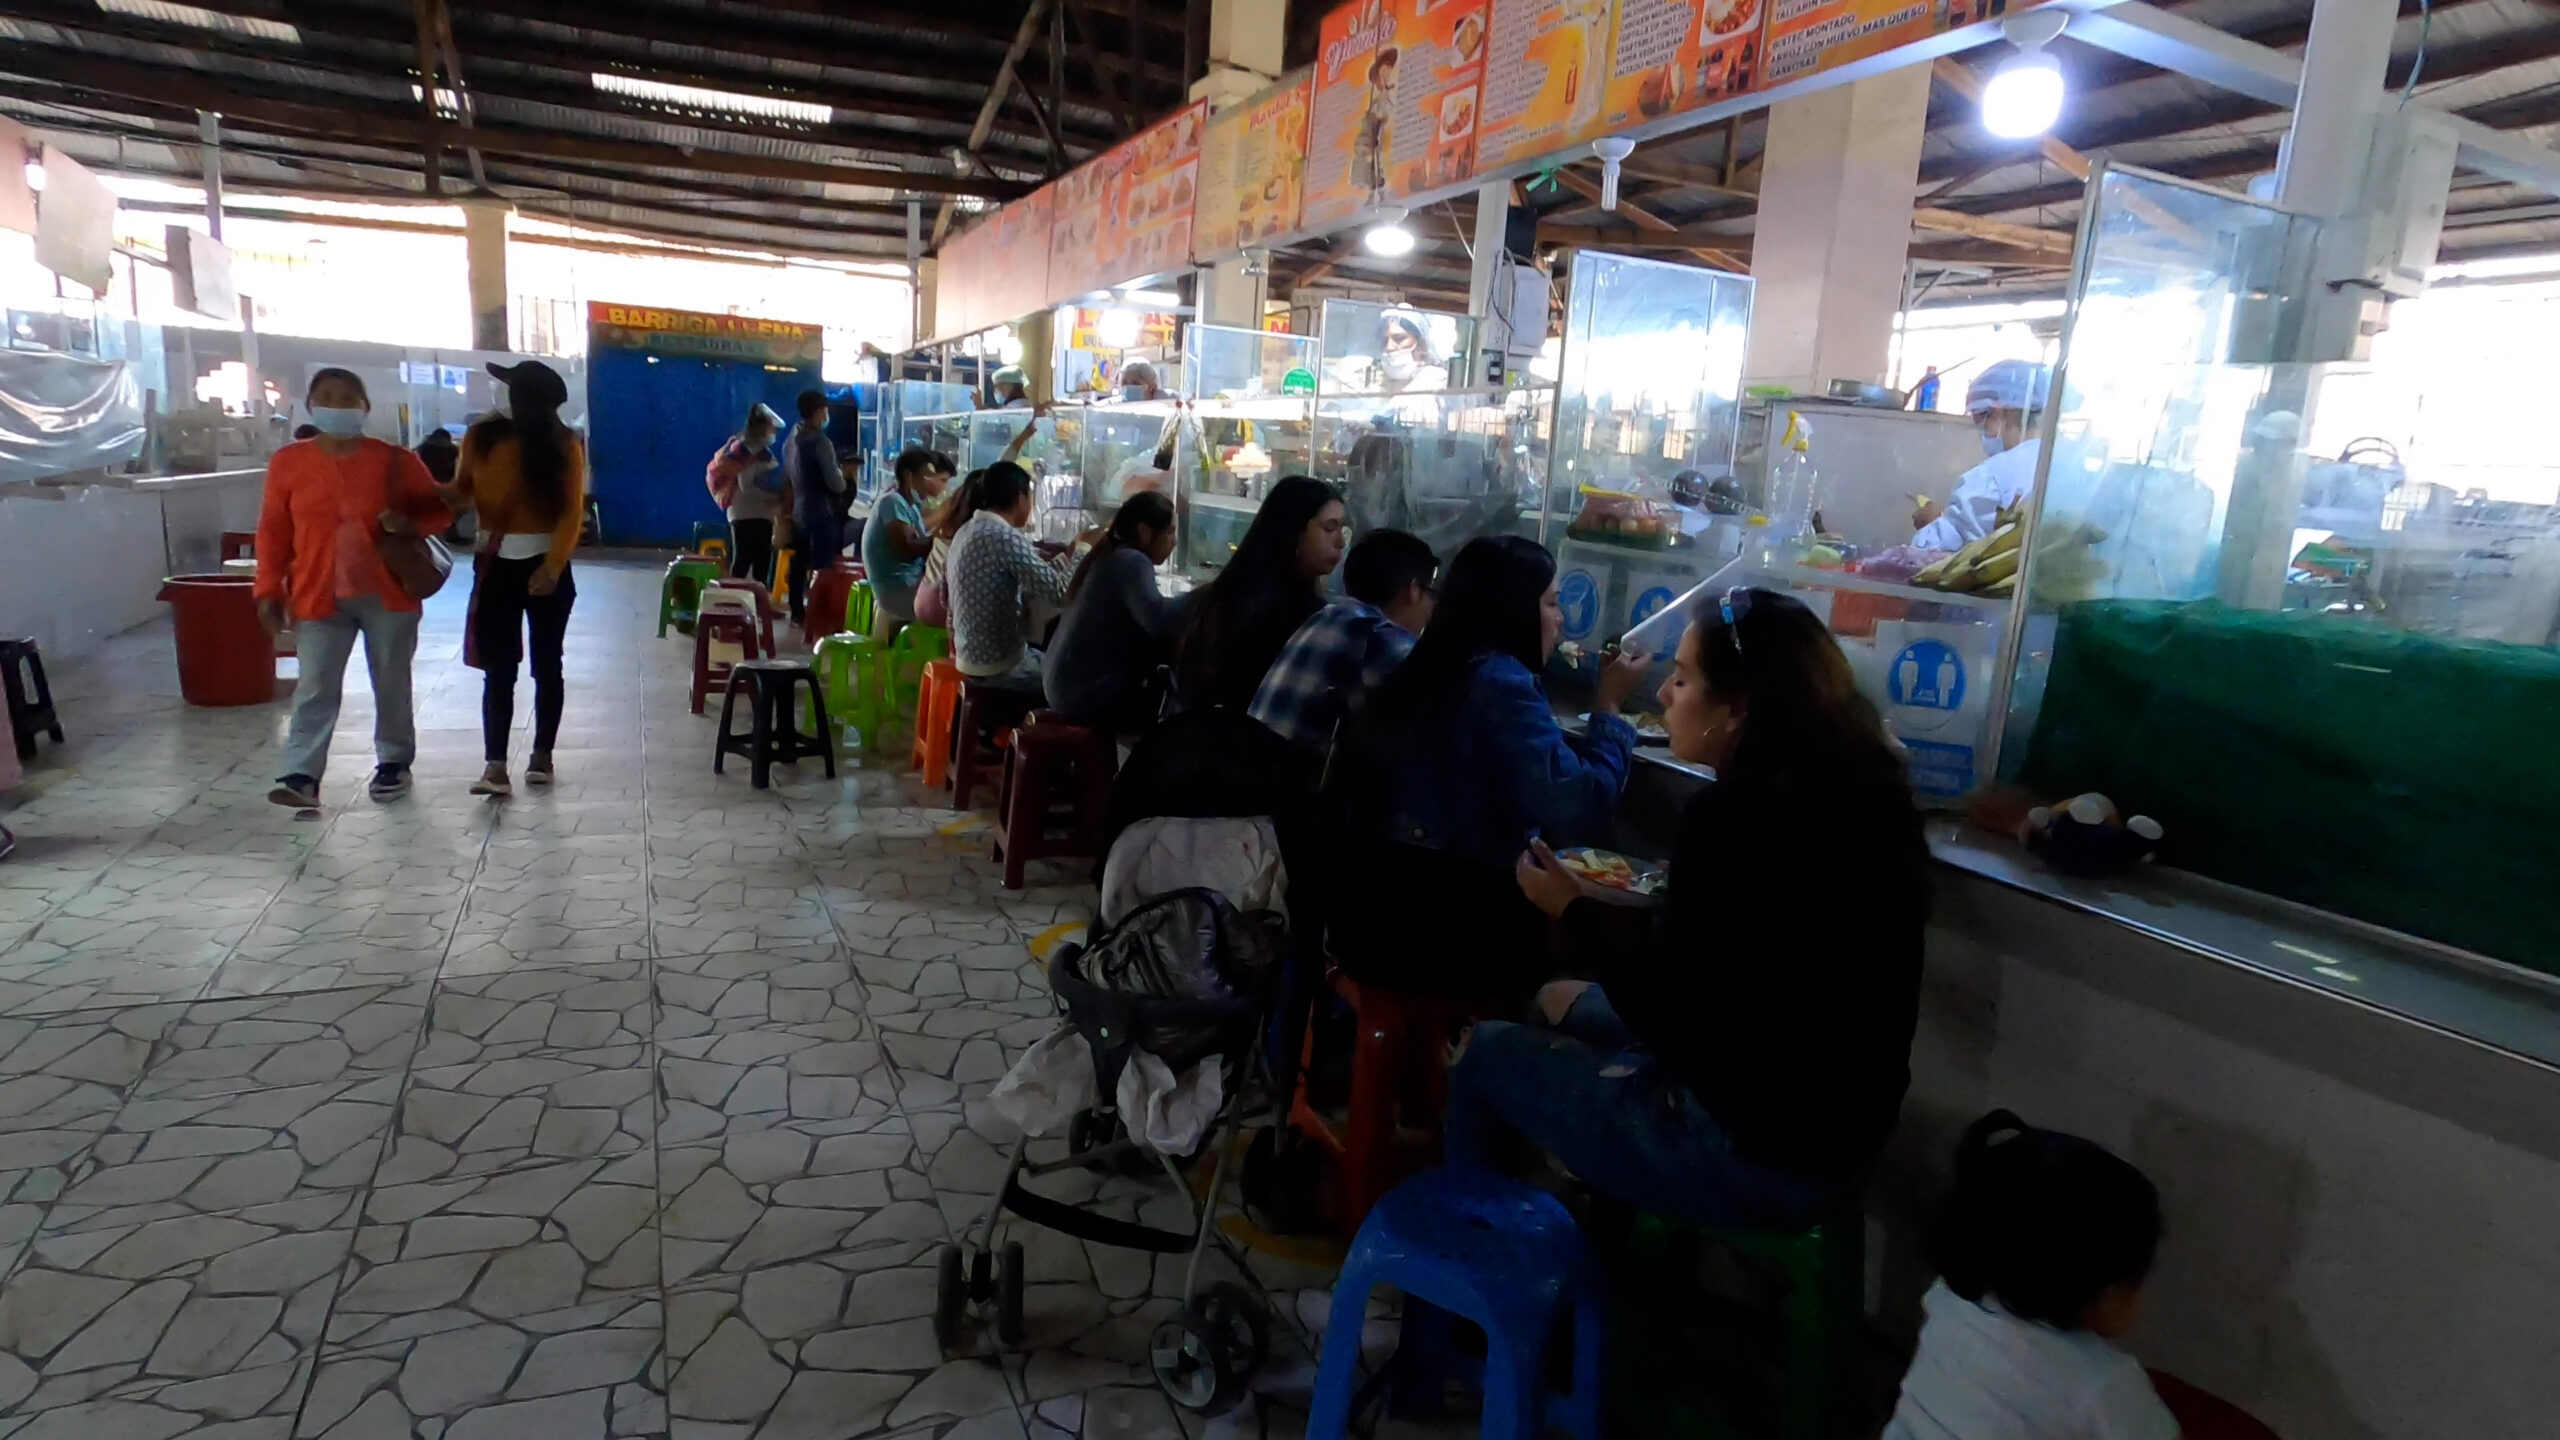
2042 1251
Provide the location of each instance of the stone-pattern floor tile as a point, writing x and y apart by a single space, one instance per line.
637 1107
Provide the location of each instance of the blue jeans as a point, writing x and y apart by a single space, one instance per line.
321 647
1610 1112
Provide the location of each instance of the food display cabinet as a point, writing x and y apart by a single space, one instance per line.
1249 422
1447 466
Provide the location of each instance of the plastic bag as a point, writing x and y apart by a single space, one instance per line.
1050 1085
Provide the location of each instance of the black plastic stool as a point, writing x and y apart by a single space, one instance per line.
776 730
30 697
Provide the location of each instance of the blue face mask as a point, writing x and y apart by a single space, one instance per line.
1992 444
336 423
1133 392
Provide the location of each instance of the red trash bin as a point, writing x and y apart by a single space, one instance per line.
225 657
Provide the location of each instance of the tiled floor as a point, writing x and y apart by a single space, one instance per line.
633 1108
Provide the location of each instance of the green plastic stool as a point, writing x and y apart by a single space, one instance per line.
916 647
853 672
858 612
680 594
1819 1318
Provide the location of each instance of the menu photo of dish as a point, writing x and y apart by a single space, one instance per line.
1673 55
1431 139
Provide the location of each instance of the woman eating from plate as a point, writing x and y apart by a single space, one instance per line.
1744 1064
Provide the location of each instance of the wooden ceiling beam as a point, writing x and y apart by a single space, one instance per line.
152 85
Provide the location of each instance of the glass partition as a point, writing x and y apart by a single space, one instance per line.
1448 466
1233 451
1220 360
2327 682
1648 413
1121 445
1375 349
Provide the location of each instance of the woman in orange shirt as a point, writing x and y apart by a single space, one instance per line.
527 473
329 502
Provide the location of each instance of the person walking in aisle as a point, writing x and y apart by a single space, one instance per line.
814 477
527 475
330 501
746 483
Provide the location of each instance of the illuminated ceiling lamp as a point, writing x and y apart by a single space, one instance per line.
1389 236
1613 151
1119 327
2024 96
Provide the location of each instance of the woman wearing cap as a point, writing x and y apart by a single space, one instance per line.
2004 401
527 475
746 482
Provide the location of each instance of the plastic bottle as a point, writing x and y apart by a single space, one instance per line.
1791 482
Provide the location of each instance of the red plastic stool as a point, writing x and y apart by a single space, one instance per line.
1397 1072
724 625
989 714
937 710
766 611
1057 783
829 590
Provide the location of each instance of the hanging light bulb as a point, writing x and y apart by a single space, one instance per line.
1118 327
1388 236
1612 150
2024 96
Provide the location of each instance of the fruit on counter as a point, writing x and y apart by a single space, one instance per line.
1983 560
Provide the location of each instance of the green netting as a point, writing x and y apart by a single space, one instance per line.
2405 780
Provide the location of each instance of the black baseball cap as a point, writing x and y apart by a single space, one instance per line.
530 382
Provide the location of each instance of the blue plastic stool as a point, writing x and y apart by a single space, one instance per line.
1490 1250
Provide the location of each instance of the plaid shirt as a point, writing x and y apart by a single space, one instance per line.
1348 645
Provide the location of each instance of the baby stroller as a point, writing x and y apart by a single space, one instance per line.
1180 980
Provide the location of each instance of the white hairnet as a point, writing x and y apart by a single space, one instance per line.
2008 385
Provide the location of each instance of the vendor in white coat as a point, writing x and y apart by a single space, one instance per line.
2003 402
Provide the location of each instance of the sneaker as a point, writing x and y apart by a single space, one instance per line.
390 782
493 781
302 792
537 771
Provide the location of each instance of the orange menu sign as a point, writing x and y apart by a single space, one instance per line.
1080 225
996 271
1807 37
1149 211
1565 72
1356 75
1431 127
1253 161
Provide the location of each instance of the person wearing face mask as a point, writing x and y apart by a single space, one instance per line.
2004 401
329 501
1138 382
1405 359
1012 388
746 482
1743 1064
815 478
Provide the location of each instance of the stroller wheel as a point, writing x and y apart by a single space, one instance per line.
950 1298
1194 1366
1244 1317
1009 1277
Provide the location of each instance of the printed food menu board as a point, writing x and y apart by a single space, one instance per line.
1564 72
1431 129
1810 36
1080 225
1355 85
998 270
1253 162
1147 214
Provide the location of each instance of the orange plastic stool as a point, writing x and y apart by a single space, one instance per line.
1057 784
937 710
1396 1073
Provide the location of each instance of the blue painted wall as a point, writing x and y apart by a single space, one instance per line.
654 422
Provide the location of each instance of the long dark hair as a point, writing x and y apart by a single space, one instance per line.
542 448
1805 712
1259 592
962 504
1145 510
2043 1222
1489 603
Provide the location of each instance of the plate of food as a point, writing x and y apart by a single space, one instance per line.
1649 728
1612 878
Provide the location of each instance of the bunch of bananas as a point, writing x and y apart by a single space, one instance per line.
1988 566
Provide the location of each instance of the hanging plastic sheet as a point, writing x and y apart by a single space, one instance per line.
62 413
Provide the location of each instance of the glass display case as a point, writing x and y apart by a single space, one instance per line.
886 424
1447 466
1121 444
1251 413
975 439
1375 349
1647 415
2327 680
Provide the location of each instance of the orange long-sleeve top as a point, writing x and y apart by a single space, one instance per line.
314 499
490 476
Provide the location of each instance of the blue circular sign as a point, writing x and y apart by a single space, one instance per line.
1927 675
1650 604
1579 598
